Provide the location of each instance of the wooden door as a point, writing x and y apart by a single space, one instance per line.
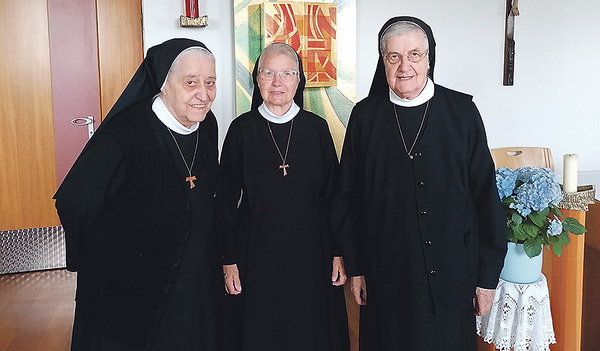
91 68
75 83
120 47
27 171
61 59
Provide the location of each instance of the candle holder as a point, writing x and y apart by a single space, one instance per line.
579 201
185 21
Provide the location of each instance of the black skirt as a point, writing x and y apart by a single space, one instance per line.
412 330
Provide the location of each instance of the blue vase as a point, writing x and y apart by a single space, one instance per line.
520 268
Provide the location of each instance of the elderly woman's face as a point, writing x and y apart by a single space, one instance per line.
190 89
275 91
407 79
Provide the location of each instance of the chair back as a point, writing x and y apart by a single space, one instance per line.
515 157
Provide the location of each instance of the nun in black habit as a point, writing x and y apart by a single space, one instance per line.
282 266
417 206
138 210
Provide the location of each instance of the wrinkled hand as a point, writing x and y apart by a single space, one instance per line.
338 273
358 287
482 303
231 276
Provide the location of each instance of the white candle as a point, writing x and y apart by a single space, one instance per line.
570 173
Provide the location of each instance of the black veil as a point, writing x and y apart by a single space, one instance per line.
379 86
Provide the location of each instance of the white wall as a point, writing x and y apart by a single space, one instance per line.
557 68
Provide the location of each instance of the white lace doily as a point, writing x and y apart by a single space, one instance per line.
520 318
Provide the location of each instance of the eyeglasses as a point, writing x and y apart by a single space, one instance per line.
413 56
285 76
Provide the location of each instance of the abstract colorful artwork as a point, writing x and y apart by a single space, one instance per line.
328 49
310 29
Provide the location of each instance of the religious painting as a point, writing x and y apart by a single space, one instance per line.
323 32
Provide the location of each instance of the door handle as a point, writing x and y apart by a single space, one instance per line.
85 121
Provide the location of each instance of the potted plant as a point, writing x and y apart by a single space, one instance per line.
530 197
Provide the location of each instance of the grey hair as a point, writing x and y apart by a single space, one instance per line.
279 49
400 28
192 50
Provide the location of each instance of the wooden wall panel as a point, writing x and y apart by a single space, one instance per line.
27 170
591 281
565 282
120 47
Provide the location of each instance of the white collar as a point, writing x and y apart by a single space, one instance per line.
422 98
286 117
165 116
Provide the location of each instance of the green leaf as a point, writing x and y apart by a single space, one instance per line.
532 248
554 239
557 249
519 232
573 226
557 212
564 238
542 240
531 230
510 234
508 200
539 217
516 218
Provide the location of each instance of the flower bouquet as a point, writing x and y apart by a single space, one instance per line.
530 196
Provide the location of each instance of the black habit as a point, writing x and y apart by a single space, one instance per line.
143 243
279 234
423 231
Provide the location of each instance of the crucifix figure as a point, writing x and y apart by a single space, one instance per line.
512 10
284 166
191 180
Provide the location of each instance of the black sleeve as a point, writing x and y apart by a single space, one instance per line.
346 208
231 174
490 216
330 176
93 179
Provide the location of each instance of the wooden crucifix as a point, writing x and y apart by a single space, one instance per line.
512 10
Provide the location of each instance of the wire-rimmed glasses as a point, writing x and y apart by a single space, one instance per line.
285 76
413 56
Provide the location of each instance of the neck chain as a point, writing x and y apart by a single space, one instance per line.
409 151
287 147
190 178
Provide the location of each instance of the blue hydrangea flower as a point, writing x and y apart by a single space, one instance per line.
555 227
505 181
530 198
539 190
523 211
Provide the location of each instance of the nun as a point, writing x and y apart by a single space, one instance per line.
283 268
417 206
138 209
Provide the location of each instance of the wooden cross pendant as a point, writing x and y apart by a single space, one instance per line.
284 166
191 180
